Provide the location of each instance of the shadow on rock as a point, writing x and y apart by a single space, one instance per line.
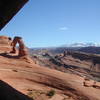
9 56
9 93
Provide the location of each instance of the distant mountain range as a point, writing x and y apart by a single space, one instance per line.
82 45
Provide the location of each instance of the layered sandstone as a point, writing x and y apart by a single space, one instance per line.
5 43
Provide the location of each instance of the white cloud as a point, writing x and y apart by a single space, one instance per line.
63 28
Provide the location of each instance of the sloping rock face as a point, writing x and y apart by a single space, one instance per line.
29 78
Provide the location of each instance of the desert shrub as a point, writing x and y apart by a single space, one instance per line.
30 95
51 93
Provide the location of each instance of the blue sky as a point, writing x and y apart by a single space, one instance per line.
44 23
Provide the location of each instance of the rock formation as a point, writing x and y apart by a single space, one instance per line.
92 58
5 44
5 41
22 48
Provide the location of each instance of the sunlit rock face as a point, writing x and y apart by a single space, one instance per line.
4 40
5 43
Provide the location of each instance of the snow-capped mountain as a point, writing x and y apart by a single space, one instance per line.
82 45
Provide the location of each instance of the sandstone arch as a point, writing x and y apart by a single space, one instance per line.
22 49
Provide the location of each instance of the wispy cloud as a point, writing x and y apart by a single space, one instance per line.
63 28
